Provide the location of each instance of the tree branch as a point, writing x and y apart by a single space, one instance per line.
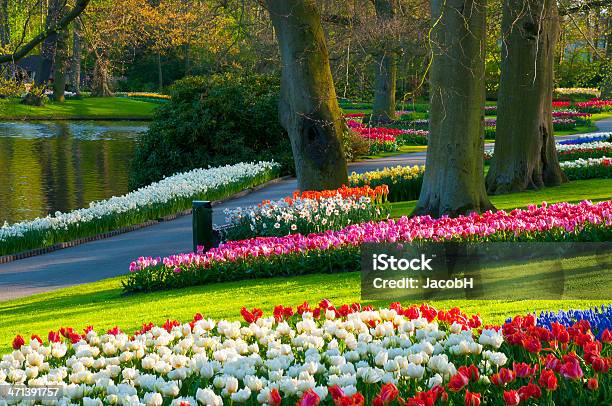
60 25
585 7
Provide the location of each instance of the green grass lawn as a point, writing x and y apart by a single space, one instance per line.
86 108
102 304
576 191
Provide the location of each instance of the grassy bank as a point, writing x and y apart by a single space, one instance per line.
88 108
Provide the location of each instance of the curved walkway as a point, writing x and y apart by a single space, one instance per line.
111 257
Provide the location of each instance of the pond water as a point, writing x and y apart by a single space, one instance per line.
62 165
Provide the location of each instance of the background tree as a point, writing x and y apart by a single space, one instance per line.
308 109
5 27
525 154
453 182
385 63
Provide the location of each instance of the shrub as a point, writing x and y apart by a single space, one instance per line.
216 120
355 146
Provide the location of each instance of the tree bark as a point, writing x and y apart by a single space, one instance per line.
308 108
525 154
60 63
606 91
383 109
76 56
100 87
160 73
5 27
453 182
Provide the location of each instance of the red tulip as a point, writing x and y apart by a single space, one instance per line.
388 393
523 370
571 370
18 342
511 398
532 344
275 398
54 337
472 399
600 365
335 392
606 336
458 382
592 384
548 380
309 398
251 316
37 338
506 375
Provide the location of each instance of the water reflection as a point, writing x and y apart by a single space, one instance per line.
50 166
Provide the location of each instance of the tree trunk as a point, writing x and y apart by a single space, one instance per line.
76 57
47 49
308 108
383 109
525 154
5 26
606 91
160 74
453 183
100 87
60 65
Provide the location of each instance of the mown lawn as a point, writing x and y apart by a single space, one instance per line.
102 304
86 108
573 192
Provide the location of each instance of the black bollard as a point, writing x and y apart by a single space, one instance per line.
202 225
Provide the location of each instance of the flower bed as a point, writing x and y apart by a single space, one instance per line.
403 182
599 318
576 93
572 152
594 106
380 139
338 251
587 138
308 212
579 117
168 196
590 168
310 355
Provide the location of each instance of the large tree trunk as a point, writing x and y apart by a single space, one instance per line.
160 73
5 27
309 109
525 154
453 183
76 57
606 91
386 66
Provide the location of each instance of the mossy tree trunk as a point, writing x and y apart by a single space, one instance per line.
525 154
383 109
308 107
453 183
